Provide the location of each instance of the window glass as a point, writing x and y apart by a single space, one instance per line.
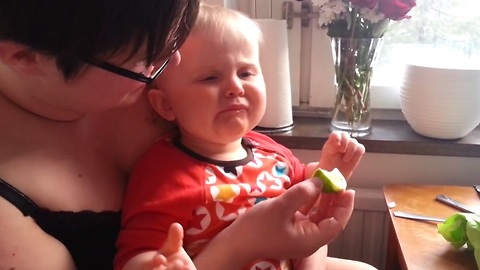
440 32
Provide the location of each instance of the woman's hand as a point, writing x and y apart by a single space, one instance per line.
275 228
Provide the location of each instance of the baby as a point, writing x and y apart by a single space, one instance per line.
215 168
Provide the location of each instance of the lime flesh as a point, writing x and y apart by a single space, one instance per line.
333 181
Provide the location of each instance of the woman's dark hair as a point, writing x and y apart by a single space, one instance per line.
73 31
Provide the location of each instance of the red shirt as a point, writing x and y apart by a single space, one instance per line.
173 184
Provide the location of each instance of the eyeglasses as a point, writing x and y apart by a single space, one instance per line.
145 77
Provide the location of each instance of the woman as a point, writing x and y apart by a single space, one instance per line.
74 119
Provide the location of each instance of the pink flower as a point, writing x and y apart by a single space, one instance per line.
396 9
370 4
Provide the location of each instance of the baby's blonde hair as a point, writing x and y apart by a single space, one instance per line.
227 23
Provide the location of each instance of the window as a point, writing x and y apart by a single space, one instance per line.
443 31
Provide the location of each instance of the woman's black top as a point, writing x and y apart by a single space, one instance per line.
89 236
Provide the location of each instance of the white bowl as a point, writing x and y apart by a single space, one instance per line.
441 102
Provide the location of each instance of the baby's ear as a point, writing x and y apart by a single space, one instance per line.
20 58
160 104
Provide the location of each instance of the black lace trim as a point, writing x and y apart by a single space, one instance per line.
89 236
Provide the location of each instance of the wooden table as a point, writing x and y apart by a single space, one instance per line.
416 245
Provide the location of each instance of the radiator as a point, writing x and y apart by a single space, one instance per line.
365 237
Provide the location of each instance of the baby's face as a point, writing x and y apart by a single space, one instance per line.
217 92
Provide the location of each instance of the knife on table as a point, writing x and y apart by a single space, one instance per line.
477 189
455 204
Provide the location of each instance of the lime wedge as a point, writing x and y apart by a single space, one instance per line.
333 181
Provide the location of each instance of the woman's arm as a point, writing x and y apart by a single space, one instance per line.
23 245
276 229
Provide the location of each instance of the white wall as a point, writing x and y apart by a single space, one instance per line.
377 170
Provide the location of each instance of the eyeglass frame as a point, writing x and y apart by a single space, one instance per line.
128 73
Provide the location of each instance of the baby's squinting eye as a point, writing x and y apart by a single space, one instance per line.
246 74
210 78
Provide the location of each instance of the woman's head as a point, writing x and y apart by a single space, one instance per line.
51 51
74 32
217 92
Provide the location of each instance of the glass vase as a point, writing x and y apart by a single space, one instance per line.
354 59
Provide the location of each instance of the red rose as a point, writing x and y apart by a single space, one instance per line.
396 9
370 4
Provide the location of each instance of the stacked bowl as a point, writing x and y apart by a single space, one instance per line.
441 102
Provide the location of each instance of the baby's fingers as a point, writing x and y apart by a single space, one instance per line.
159 261
344 142
174 240
354 150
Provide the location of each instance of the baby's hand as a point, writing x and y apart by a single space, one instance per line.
342 152
172 256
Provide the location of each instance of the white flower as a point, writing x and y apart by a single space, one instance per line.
372 15
331 11
319 3
344 19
